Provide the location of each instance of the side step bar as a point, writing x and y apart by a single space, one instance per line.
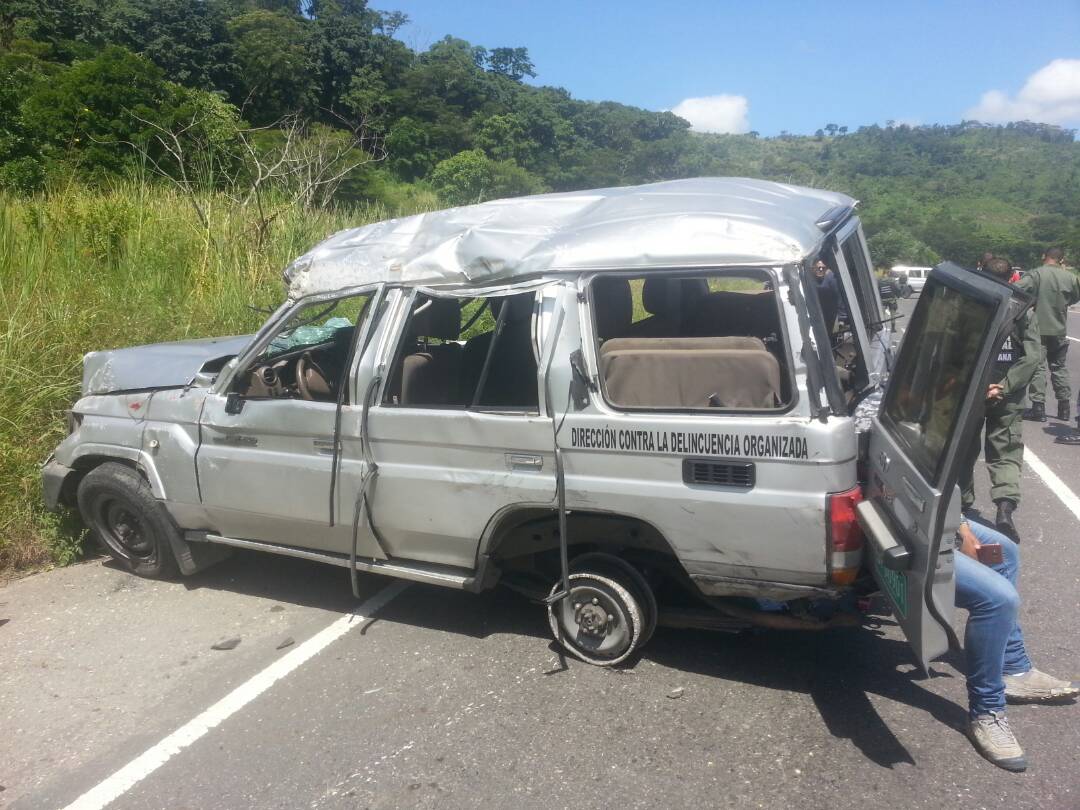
430 573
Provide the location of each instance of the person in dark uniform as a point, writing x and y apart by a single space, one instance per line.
828 293
1017 362
1055 289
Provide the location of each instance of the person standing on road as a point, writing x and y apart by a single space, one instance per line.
1016 364
997 665
1055 289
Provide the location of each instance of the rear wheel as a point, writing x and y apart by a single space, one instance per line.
628 576
600 621
117 505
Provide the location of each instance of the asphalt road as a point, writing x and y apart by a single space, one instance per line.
446 699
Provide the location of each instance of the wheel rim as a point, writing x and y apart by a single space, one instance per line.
598 622
631 578
124 531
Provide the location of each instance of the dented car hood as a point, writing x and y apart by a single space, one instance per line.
157 365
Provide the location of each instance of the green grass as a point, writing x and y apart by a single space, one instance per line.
84 269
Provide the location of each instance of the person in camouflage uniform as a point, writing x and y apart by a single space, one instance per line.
1054 289
1017 362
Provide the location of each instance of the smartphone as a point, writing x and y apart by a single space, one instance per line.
990 554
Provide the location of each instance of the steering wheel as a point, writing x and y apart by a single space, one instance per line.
311 380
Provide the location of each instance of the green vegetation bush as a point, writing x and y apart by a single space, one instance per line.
87 269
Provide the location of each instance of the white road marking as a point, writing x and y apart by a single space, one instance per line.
124 779
1075 340
1056 485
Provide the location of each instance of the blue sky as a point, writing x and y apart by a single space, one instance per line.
772 66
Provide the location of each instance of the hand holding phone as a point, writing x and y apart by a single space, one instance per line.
990 554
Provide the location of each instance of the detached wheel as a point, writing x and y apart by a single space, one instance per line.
600 622
117 505
629 577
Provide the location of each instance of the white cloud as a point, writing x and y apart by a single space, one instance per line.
1051 95
723 113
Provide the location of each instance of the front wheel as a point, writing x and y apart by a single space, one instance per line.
117 505
600 621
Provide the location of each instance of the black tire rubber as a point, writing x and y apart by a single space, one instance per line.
630 578
113 496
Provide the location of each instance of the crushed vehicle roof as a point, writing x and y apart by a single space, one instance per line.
705 221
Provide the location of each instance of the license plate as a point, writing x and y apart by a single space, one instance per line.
894 583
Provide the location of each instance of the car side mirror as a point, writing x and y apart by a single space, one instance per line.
234 403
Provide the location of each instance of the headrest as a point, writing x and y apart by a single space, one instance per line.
672 296
613 305
438 318
521 307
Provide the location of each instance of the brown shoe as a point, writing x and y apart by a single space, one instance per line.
1038 687
992 737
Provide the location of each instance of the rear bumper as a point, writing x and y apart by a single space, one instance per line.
53 474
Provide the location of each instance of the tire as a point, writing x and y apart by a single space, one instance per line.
630 578
118 507
600 622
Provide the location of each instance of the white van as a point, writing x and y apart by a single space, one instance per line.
914 276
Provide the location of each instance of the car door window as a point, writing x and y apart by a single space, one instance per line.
923 402
460 353
711 342
306 358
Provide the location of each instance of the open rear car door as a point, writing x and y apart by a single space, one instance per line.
931 408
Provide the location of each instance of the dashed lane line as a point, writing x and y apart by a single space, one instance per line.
1051 479
138 769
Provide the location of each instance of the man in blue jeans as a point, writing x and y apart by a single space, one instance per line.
998 668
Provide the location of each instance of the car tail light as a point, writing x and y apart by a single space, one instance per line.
844 537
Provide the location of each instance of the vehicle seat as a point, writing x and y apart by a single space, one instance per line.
669 301
429 375
724 372
511 380
613 307
724 313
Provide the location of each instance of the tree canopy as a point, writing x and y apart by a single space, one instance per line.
99 87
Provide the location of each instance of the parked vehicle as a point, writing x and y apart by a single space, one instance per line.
914 277
623 403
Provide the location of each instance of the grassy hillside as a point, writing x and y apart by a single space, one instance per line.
92 269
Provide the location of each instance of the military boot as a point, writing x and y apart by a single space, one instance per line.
1003 521
1064 407
1036 413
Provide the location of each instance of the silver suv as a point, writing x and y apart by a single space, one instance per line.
632 405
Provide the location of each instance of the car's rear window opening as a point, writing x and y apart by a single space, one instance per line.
711 341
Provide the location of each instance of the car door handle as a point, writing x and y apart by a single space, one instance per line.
524 462
324 447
